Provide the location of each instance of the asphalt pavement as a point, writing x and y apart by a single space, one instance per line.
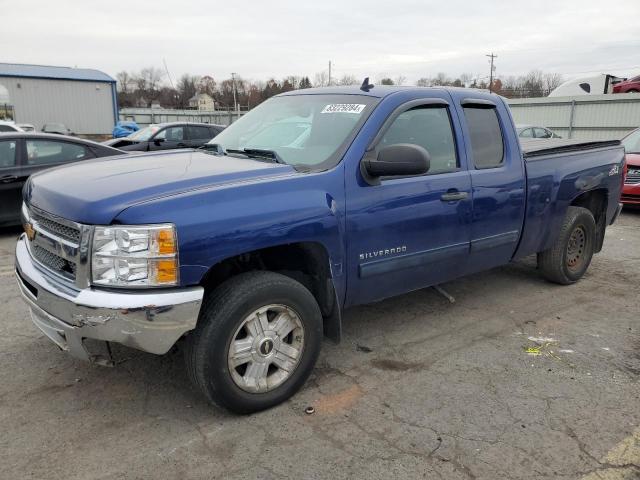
518 378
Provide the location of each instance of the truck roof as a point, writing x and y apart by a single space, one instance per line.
378 91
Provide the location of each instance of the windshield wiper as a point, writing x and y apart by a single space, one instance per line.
214 148
258 153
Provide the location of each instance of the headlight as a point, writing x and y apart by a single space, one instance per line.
140 256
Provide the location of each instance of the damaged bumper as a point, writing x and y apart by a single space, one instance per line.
151 321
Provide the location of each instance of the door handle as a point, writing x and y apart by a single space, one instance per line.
8 179
454 196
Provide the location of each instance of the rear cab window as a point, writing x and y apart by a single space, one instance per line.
487 143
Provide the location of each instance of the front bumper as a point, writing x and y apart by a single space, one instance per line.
631 194
151 321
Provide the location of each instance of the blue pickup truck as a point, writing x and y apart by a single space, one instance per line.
248 251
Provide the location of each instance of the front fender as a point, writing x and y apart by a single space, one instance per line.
224 221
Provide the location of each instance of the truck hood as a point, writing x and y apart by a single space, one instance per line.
95 191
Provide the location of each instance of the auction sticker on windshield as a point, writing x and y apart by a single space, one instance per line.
343 108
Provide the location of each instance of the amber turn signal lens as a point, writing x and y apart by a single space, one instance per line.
166 242
166 271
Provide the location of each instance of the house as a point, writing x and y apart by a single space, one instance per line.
202 101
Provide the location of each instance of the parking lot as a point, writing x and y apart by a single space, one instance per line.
518 378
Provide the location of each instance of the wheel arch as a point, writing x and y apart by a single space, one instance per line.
306 262
596 201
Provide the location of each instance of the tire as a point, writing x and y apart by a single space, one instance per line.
569 257
232 328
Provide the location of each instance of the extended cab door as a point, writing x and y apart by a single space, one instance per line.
497 179
410 232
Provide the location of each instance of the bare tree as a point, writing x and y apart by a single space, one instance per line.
125 82
187 88
423 82
551 81
399 80
149 78
348 80
321 79
440 79
466 78
207 85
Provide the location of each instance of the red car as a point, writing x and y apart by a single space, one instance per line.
631 189
630 85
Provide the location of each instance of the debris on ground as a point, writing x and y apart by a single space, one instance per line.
363 348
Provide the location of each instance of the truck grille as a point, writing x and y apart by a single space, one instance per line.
55 245
633 177
55 263
68 233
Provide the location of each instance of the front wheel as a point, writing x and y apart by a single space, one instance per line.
569 257
257 340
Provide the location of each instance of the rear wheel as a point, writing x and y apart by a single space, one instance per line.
569 257
257 340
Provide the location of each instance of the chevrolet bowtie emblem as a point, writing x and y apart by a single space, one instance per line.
31 233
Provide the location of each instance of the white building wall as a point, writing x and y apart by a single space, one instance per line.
587 117
86 107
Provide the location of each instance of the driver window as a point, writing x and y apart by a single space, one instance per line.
428 127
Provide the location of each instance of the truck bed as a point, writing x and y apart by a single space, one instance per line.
533 149
558 171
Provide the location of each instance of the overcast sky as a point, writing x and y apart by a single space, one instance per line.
276 38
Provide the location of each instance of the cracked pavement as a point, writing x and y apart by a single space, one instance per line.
419 388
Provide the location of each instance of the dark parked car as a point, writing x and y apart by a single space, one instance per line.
167 136
532 131
23 154
56 128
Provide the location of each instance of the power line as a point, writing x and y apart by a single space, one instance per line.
168 74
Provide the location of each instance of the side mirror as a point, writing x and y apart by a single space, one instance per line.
395 160
158 141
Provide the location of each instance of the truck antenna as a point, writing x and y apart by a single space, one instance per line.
366 86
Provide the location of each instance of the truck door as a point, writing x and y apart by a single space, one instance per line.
497 180
410 232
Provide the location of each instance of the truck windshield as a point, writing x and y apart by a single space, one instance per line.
631 142
310 131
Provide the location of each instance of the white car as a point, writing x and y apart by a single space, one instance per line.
6 126
535 131
27 127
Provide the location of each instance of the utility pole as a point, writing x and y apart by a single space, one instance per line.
235 103
329 83
492 56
